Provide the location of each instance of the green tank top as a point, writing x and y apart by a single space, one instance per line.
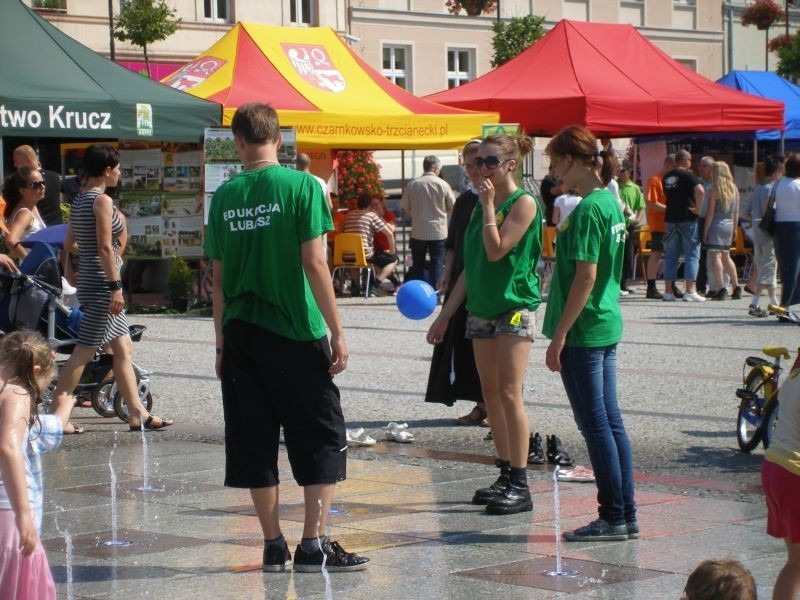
494 288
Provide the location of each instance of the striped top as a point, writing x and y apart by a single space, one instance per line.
365 223
91 277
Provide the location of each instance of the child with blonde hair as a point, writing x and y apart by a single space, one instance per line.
26 368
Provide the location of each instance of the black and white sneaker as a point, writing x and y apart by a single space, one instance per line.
277 559
337 559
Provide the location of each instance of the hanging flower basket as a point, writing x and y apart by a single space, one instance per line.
778 43
473 8
763 14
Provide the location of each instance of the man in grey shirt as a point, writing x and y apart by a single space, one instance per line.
428 200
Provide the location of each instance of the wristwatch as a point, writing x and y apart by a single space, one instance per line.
115 285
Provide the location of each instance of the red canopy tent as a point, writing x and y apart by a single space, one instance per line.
612 80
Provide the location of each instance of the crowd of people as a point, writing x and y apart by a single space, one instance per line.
482 251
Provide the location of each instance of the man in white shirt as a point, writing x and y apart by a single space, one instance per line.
428 200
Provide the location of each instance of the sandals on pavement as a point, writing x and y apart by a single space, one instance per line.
75 429
150 425
475 417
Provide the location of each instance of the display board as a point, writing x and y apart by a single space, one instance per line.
221 160
160 192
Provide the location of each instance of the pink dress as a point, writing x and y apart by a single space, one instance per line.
23 577
28 577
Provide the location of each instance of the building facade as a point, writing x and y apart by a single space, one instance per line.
415 43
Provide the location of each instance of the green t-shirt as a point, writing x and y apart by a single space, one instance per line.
257 223
594 233
631 195
494 288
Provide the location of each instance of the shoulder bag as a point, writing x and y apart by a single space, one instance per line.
767 223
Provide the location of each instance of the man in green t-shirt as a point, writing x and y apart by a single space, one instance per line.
272 299
633 201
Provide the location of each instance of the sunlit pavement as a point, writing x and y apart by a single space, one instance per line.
407 506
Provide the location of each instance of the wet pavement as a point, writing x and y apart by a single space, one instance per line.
407 506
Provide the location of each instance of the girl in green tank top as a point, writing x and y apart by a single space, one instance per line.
502 246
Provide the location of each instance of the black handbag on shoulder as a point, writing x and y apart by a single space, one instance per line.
767 223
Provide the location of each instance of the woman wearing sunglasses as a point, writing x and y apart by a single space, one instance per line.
22 191
502 246
584 324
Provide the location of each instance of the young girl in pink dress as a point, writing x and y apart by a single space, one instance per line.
26 367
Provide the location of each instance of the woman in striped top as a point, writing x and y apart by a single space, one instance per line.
97 229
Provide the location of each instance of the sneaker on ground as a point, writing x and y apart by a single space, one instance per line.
277 559
693 297
387 286
337 559
633 530
654 294
677 292
756 311
668 297
577 474
596 531
624 292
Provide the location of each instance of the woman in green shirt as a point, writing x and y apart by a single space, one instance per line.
583 321
502 246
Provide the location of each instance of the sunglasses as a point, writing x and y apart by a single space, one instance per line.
490 162
34 185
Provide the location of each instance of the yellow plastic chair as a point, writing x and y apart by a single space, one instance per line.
643 250
348 253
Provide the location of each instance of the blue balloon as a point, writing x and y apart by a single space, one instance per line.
416 300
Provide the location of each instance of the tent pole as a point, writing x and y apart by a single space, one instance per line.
755 158
2 161
406 238
783 143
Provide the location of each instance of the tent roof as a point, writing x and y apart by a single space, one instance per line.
54 86
612 80
774 87
322 88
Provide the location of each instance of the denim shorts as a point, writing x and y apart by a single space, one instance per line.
519 321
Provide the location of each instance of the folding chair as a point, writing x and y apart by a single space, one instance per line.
643 250
348 253
739 249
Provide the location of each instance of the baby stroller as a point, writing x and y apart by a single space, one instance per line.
32 299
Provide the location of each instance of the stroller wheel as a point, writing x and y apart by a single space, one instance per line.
102 400
121 410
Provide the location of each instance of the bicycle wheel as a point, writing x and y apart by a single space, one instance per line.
749 419
102 400
121 410
770 421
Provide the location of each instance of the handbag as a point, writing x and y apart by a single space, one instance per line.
767 223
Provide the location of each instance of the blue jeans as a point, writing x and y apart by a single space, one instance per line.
787 249
681 238
421 248
590 379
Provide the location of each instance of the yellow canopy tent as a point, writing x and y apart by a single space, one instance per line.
323 89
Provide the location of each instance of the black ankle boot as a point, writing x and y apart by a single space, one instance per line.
515 498
535 452
556 455
484 495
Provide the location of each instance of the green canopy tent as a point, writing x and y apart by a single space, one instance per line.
55 87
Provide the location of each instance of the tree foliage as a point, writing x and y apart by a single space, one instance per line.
513 36
143 22
789 58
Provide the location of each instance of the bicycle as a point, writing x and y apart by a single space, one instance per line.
758 406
